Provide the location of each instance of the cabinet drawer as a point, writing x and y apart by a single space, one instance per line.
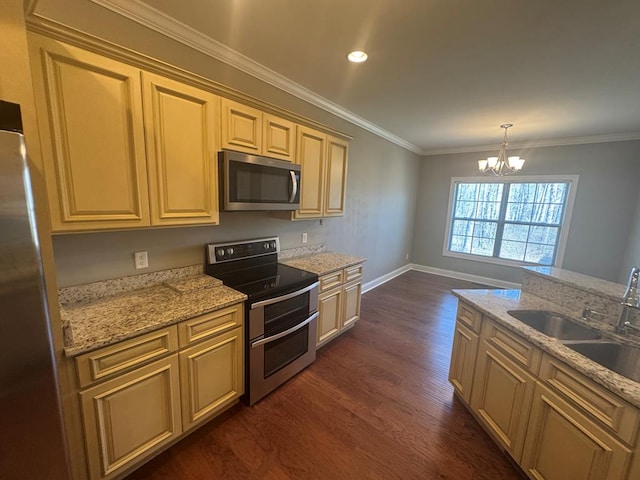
352 273
123 356
331 280
606 408
512 345
469 317
210 324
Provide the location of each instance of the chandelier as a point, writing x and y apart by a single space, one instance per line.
501 165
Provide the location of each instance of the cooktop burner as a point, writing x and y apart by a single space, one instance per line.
252 267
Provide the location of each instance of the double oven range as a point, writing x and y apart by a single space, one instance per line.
280 312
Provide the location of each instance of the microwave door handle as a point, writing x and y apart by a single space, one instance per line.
294 182
272 338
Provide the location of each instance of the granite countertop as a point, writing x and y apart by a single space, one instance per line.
596 286
496 303
103 321
323 263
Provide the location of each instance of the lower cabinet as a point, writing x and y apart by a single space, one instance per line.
128 418
141 394
556 423
562 443
501 398
338 302
212 377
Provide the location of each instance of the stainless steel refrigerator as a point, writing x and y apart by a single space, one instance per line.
32 440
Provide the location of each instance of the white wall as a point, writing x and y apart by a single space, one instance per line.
600 230
381 180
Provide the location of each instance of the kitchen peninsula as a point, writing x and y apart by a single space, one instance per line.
534 394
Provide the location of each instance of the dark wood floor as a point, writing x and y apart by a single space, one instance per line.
376 404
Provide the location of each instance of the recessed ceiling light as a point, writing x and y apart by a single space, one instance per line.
357 56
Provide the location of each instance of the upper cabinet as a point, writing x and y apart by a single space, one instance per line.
100 171
124 148
324 174
90 119
250 130
180 125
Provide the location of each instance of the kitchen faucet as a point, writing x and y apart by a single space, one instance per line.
631 299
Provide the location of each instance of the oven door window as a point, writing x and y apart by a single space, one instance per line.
281 316
281 352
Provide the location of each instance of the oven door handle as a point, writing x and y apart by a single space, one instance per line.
272 338
282 298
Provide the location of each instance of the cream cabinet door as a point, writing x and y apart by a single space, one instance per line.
181 124
212 376
351 295
463 361
329 315
311 147
278 138
129 418
564 444
241 127
336 181
501 397
90 117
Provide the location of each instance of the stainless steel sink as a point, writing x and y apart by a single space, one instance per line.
622 359
554 325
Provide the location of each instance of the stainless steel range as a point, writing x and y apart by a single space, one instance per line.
280 312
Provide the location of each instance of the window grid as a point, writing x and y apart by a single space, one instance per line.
540 198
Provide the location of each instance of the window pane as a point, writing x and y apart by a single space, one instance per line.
547 213
515 232
488 210
543 235
491 192
482 246
467 191
485 230
462 227
460 243
522 192
542 254
465 209
550 192
512 250
519 212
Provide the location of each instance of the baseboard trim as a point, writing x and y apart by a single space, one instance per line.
465 276
492 282
385 278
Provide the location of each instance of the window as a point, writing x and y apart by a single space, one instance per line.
518 220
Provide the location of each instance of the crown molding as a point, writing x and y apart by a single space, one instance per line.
552 142
159 22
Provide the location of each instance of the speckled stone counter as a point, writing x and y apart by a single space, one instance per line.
496 303
107 320
323 263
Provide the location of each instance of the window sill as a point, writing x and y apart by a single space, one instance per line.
492 260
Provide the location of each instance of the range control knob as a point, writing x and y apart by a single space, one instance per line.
229 251
220 252
266 245
273 244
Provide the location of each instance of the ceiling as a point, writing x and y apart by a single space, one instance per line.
442 75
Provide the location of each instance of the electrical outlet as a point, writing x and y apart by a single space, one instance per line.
141 260
406 256
304 237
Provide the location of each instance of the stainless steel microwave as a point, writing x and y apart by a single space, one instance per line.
250 182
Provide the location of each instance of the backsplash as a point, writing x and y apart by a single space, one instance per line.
576 292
